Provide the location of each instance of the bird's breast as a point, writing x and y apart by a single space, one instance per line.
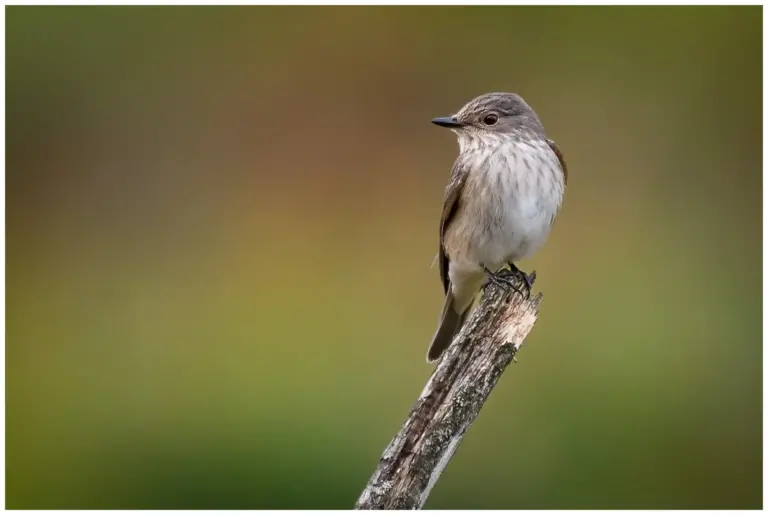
512 194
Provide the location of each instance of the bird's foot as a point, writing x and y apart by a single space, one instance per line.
510 279
527 279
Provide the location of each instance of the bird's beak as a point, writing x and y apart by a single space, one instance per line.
447 121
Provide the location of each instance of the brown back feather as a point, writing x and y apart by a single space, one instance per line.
450 206
560 157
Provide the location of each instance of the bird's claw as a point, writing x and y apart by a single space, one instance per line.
527 279
506 279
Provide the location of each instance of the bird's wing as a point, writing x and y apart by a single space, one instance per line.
560 157
450 206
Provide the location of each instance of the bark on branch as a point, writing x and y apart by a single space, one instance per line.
451 400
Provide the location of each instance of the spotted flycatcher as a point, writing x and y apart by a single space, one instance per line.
505 191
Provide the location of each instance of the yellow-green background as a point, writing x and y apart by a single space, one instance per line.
220 226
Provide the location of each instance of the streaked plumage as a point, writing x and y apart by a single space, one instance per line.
505 190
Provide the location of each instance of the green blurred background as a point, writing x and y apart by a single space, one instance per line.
221 223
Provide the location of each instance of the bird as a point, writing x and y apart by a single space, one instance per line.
505 191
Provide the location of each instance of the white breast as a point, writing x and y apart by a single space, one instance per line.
512 195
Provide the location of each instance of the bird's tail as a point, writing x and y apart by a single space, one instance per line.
450 324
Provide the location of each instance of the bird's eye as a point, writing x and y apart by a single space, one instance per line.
490 119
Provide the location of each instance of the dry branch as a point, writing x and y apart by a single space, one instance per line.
458 388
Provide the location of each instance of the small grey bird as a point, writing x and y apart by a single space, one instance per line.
505 191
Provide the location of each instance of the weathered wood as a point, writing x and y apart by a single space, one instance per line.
451 400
